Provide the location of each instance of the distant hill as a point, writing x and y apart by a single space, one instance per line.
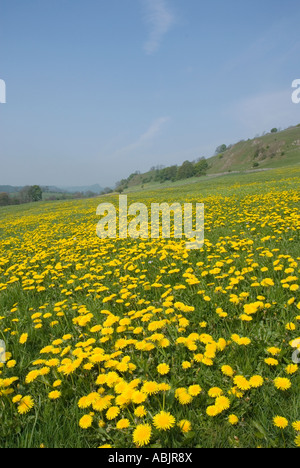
96 188
9 189
271 150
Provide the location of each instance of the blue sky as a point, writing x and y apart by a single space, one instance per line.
98 89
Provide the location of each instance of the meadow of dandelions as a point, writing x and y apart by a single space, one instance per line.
142 343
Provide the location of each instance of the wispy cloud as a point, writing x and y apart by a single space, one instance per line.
160 20
146 138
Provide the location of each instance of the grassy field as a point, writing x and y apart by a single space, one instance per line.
127 343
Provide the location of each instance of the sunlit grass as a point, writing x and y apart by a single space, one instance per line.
141 342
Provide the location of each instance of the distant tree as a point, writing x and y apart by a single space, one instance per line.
4 199
107 190
90 194
35 193
24 194
31 193
221 149
146 179
172 172
123 184
186 170
199 159
274 130
78 195
167 173
200 167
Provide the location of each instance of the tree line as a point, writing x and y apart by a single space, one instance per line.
172 173
28 194
34 193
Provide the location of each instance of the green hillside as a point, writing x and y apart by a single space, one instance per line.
272 150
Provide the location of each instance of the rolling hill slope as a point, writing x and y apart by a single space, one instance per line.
272 150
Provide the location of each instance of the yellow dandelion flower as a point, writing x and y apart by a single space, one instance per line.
184 425
164 387
57 383
184 397
233 419
227 370
54 395
142 434
83 402
236 392
290 326
123 423
138 397
256 381
163 369
10 364
194 390
112 412
17 398
222 403
267 282
241 382
244 341
212 410
282 383
280 422
271 362
149 387
31 376
291 368
140 411
25 405
186 365
86 421
102 403
296 426
163 421
92 398
23 338
274 350
215 392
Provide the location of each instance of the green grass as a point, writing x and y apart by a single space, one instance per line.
50 255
